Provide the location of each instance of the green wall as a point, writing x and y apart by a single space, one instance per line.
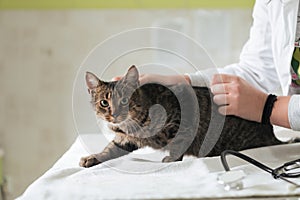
124 4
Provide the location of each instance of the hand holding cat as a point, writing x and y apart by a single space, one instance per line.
237 97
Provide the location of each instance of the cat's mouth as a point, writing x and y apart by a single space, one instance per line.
124 128
111 119
117 120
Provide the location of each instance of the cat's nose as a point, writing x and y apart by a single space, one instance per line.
115 114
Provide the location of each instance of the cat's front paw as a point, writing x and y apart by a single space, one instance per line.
89 161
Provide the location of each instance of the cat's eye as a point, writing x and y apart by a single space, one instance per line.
124 101
104 103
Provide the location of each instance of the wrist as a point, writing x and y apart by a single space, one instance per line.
268 108
261 101
187 79
279 114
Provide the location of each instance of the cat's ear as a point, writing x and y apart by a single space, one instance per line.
92 81
132 75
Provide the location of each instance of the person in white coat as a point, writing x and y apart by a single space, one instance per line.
242 88
269 59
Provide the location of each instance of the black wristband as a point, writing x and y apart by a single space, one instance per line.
265 119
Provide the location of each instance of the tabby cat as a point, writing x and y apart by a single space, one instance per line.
151 115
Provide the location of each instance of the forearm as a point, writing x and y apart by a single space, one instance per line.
163 79
279 114
187 79
174 79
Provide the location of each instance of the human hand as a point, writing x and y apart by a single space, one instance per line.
237 97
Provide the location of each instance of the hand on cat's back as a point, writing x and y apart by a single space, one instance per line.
89 161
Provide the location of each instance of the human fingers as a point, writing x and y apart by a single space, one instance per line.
143 79
116 78
226 110
221 88
228 104
221 99
223 78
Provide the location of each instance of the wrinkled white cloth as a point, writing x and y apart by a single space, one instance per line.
143 176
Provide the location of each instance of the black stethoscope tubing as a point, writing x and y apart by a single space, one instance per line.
278 172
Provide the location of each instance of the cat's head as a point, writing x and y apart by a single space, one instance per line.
111 100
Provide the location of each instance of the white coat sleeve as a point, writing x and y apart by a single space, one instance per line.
256 59
294 112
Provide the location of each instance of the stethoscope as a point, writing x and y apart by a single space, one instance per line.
232 179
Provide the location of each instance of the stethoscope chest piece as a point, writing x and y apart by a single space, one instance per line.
232 180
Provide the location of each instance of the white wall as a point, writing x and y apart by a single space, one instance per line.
40 52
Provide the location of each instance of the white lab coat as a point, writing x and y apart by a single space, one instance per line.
265 60
268 52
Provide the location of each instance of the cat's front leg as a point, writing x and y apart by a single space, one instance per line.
90 160
112 150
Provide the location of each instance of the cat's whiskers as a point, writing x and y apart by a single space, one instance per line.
136 127
129 126
126 126
136 130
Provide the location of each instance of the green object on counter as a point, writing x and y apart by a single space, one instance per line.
124 4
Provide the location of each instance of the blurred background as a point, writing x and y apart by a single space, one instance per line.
42 45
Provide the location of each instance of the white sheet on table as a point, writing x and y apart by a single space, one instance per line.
125 178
